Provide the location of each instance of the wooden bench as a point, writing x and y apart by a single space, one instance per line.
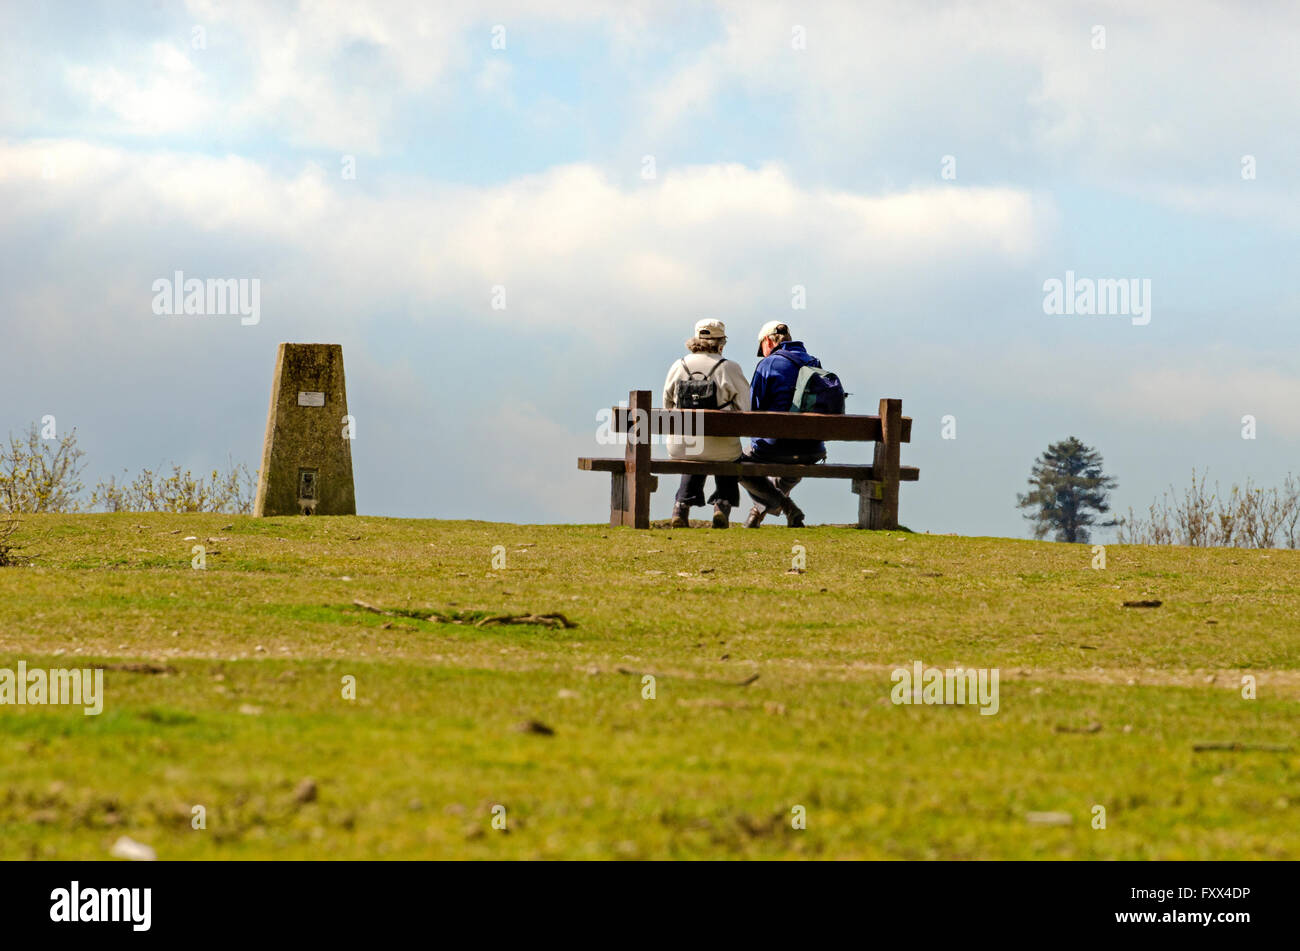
634 477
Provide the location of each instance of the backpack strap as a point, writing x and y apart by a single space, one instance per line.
690 374
800 386
721 361
800 380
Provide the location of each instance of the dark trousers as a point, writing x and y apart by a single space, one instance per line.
770 492
725 489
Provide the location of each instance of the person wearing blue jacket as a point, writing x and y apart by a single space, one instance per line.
772 388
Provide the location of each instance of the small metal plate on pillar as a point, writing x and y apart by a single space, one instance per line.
306 459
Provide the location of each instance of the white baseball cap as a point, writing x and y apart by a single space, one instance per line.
711 329
773 328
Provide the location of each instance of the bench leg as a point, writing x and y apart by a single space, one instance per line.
619 498
871 504
886 463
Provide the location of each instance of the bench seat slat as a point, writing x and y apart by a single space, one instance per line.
746 469
717 422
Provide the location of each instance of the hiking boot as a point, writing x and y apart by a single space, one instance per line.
793 514
755 518
681 515
721 514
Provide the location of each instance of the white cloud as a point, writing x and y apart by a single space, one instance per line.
573 247
1196 390
1246 201
1180 92
1219 393
166 96
335 73
332 74
494 77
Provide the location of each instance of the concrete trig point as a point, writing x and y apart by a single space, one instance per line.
307 457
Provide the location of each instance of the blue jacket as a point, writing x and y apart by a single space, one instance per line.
772 388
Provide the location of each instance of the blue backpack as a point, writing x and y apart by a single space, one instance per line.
816 390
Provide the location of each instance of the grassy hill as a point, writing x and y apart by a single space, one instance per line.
1099 704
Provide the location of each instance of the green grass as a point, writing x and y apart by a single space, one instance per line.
414 766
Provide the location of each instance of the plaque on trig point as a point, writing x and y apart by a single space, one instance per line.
307 457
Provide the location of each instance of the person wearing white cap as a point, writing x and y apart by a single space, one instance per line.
776 378
704 380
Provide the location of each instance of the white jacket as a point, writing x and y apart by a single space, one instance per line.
732 385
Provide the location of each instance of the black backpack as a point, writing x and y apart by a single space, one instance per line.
816 390
699 390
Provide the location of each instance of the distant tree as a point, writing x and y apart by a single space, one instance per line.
1066 487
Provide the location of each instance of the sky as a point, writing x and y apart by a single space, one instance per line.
510 215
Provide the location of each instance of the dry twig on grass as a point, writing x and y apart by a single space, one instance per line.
1241 747
550 620
554 620
726 683
138 668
